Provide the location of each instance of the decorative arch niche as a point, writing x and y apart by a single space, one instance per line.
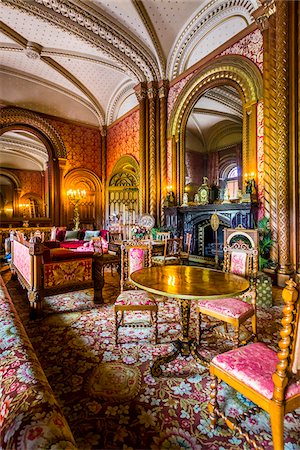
123 191
235 71
91 208
20 119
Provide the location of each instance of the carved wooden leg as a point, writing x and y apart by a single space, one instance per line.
236 336
36 302
225 327
277 418
198 328
212 404
98 278
117 327
254 327
155 326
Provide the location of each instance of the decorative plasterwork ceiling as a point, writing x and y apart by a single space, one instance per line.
22 150
80 59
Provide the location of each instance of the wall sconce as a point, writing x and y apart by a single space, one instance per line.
75 196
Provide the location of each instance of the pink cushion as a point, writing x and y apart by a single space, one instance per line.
135 298
254 365
231 307
136 259
238 263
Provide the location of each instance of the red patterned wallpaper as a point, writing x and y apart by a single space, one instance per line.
83 146
123 139
31 181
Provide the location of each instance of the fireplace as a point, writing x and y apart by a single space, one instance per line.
196 220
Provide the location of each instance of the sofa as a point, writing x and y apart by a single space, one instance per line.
73 239
43 271
30 416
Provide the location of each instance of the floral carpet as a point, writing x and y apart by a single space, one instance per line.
107 393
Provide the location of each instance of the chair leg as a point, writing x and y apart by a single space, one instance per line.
277 421
236 337
117 327
254 327
198 328
213 403
156 326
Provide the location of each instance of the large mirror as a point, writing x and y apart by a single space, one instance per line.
23 179
213 142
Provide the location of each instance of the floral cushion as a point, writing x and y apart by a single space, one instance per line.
136 259
232 307
254 365
135 298
238 263
161 260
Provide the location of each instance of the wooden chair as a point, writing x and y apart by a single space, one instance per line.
134 256
162 235
172 250
241 258
270 380
184 255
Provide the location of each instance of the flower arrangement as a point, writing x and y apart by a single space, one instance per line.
139 232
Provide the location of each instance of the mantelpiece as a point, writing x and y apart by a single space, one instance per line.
196 220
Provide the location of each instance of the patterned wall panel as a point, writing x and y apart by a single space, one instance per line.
30 181
260 160
83 146
123 139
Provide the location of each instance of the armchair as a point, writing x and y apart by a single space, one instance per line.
240 258
270 380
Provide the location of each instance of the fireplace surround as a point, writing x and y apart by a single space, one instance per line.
196 220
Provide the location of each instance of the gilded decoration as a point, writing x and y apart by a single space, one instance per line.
83 146
260 160
123 139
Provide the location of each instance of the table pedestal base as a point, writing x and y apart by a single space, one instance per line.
181 347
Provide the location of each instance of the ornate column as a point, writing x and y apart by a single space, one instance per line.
103 132
163 90
282 174
141 93
152 96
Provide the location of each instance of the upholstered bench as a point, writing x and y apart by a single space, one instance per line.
30 416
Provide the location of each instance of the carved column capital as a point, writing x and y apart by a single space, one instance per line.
163 88
262 14
141 91
103 130
152 90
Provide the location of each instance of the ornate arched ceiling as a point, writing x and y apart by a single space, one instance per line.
80 60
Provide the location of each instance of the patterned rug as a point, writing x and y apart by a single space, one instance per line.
107 393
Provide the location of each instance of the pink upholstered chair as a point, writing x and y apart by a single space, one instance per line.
271 380
240 258
134 256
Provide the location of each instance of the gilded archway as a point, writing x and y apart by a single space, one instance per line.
236 71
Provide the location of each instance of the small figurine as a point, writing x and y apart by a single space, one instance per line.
185 199
197 199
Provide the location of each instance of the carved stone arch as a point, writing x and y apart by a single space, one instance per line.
18 118
91 208
236 71
123 191
12 176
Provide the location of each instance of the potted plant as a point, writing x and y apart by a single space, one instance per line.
266 242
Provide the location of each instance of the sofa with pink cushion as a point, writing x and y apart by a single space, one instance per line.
30 416
73 239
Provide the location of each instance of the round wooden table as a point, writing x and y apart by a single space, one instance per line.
186 283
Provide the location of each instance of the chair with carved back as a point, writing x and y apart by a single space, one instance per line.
162 235
184 255
134 256
240 258
171 255
269 379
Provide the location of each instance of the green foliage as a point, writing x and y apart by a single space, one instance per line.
265 244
